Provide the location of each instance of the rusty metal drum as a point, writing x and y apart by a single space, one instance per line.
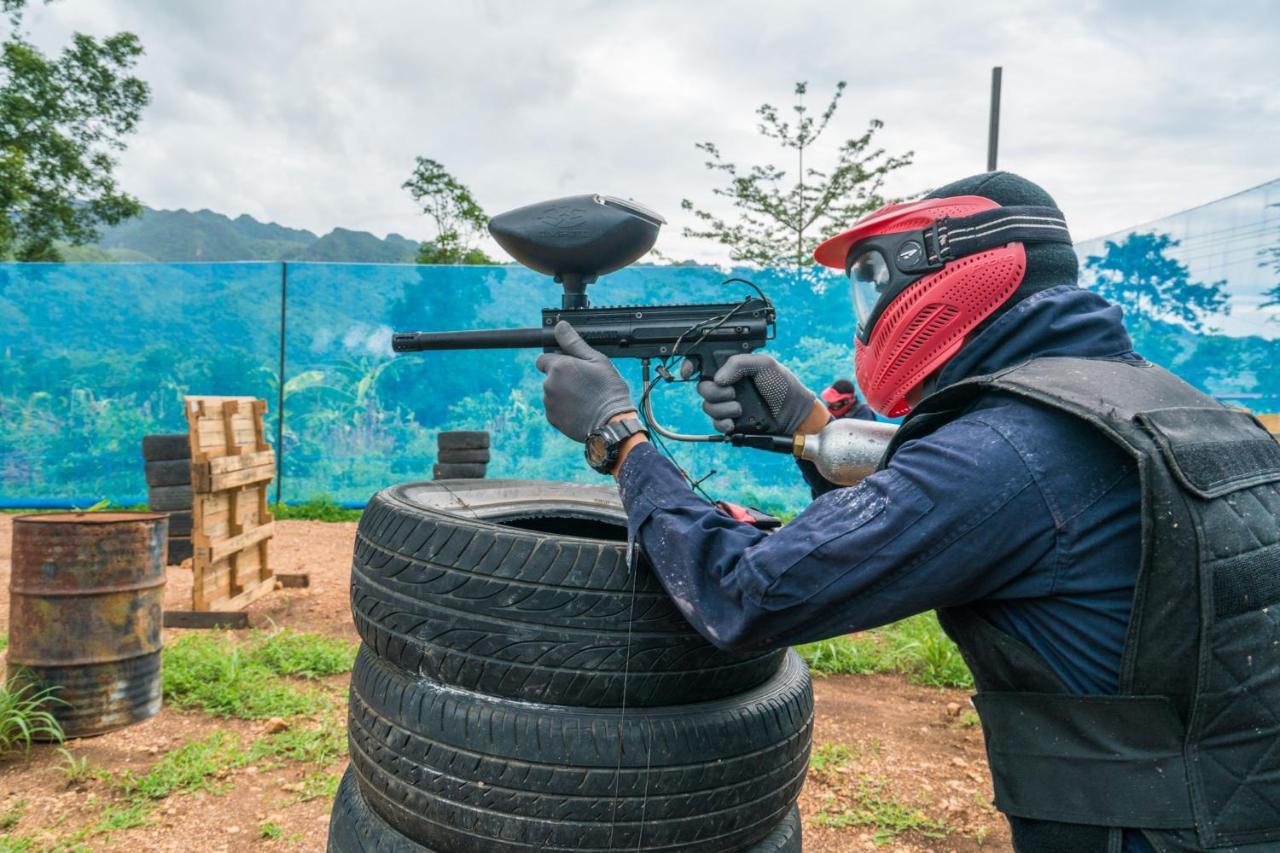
86 604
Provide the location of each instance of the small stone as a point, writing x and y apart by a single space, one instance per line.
232 830
958 761
953 709
275 725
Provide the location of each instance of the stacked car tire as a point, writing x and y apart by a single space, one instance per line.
522 688
168 472
461 454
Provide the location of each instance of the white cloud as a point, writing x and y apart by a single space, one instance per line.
310 113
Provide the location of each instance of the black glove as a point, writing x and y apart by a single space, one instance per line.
788 400
582 390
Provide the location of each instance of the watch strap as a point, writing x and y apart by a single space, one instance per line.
617 432
614 434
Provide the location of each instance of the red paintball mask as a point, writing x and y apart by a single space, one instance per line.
924 275
838 402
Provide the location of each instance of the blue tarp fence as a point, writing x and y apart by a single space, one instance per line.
94 356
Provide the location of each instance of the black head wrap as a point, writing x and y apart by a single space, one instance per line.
1048 264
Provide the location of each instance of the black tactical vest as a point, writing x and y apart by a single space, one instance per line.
1189 751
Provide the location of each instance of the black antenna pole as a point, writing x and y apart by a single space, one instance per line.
993 130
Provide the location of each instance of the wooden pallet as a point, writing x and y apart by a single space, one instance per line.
232 467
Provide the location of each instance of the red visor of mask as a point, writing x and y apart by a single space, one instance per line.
838 403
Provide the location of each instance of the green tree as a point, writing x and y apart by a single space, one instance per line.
1138 275
781 215
458 217
62 120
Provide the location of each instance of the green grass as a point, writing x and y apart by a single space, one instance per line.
25 715
916 647
845 656
10 817
316 509
323 745
198 764
871 804
26 844
301 655
271 831
874 807
113 817
74 770
829 756
260 675
201 765
255 678
194 766
191 767
116 818
319 786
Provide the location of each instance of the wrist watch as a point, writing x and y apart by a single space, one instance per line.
604 444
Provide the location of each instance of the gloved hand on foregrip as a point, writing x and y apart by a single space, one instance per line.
789 402
582 390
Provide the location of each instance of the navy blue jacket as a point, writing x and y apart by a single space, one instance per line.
1011 507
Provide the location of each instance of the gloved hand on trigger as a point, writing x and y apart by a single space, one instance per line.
789 402
582 390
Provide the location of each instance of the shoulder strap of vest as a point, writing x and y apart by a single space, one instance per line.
1115 389
1212 450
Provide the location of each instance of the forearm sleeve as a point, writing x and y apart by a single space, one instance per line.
898 543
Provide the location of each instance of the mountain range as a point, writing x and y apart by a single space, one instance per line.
202 236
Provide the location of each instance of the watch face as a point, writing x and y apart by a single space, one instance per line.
597 449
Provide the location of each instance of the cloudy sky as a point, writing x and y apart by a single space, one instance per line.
310 113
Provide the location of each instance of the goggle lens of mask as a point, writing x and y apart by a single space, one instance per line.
869 276
881 267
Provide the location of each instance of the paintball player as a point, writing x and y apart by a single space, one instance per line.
1100 539
841 400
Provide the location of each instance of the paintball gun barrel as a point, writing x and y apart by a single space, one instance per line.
640 331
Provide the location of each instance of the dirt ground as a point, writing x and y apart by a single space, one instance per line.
898 767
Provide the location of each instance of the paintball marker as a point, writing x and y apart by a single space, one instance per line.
580 238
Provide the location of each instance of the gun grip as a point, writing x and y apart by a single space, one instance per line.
755 418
